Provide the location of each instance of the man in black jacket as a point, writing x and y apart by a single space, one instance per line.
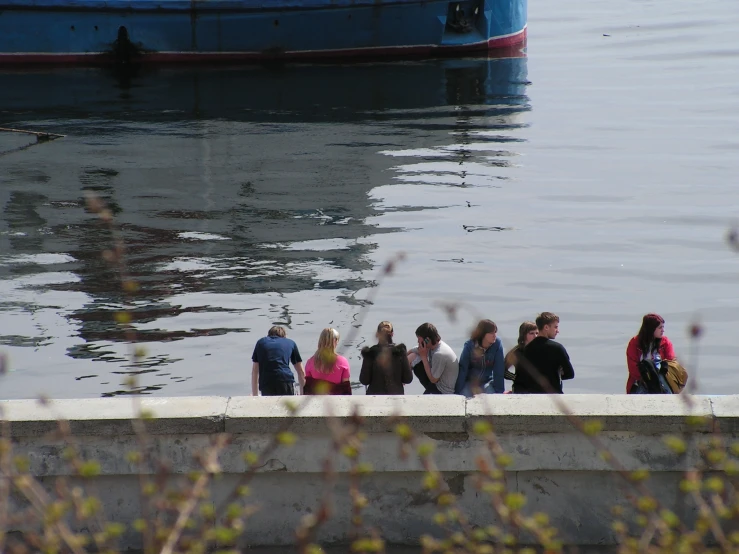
545 363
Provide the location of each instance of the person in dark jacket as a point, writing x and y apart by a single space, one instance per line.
545 363
527 332
385 367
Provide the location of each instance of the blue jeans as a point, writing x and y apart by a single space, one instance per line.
487 388
420 373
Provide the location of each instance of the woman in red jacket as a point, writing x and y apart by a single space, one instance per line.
651 344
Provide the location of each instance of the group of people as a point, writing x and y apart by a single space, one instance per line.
537 364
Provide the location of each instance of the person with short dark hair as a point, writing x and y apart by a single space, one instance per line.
481 366
434 362
545 363
649 344
385 367
276 331
270 372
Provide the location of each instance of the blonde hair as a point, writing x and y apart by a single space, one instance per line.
325 355
385 332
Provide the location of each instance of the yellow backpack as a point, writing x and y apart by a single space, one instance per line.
676 376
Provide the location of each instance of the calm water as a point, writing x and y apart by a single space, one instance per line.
595 178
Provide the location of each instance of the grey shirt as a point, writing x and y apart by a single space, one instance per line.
444 366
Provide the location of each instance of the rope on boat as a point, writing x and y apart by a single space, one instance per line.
40 135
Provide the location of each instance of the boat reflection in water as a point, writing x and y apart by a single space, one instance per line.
257 93
242 194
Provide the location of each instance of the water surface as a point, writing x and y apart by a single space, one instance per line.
594 178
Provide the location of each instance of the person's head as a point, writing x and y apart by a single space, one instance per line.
485 333
527 332
427 333
548 325
384 332
277 331
325 356
652 329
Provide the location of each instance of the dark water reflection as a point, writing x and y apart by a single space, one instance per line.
237 191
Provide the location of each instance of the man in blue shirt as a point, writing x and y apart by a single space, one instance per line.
272 357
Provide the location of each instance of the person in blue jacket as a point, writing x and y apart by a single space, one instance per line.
481 365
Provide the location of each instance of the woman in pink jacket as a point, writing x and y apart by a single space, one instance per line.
326 372
650 344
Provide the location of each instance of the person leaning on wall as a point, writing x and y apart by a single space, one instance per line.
527 332
385 367
434 363
545 363
270 373
481 365
651 360
327 372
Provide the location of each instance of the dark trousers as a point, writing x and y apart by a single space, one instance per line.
420 373
278 389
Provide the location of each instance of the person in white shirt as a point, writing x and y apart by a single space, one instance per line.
434 362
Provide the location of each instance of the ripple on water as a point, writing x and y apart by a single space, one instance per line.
251 197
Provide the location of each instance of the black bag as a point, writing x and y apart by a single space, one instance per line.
652 381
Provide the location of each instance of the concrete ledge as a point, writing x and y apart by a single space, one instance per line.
425 413
653 414
725 413
113 416
442 417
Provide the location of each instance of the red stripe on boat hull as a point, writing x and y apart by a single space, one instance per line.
508 46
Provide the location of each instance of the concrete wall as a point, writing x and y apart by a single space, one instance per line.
556 467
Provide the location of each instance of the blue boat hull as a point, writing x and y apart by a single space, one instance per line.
172 30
